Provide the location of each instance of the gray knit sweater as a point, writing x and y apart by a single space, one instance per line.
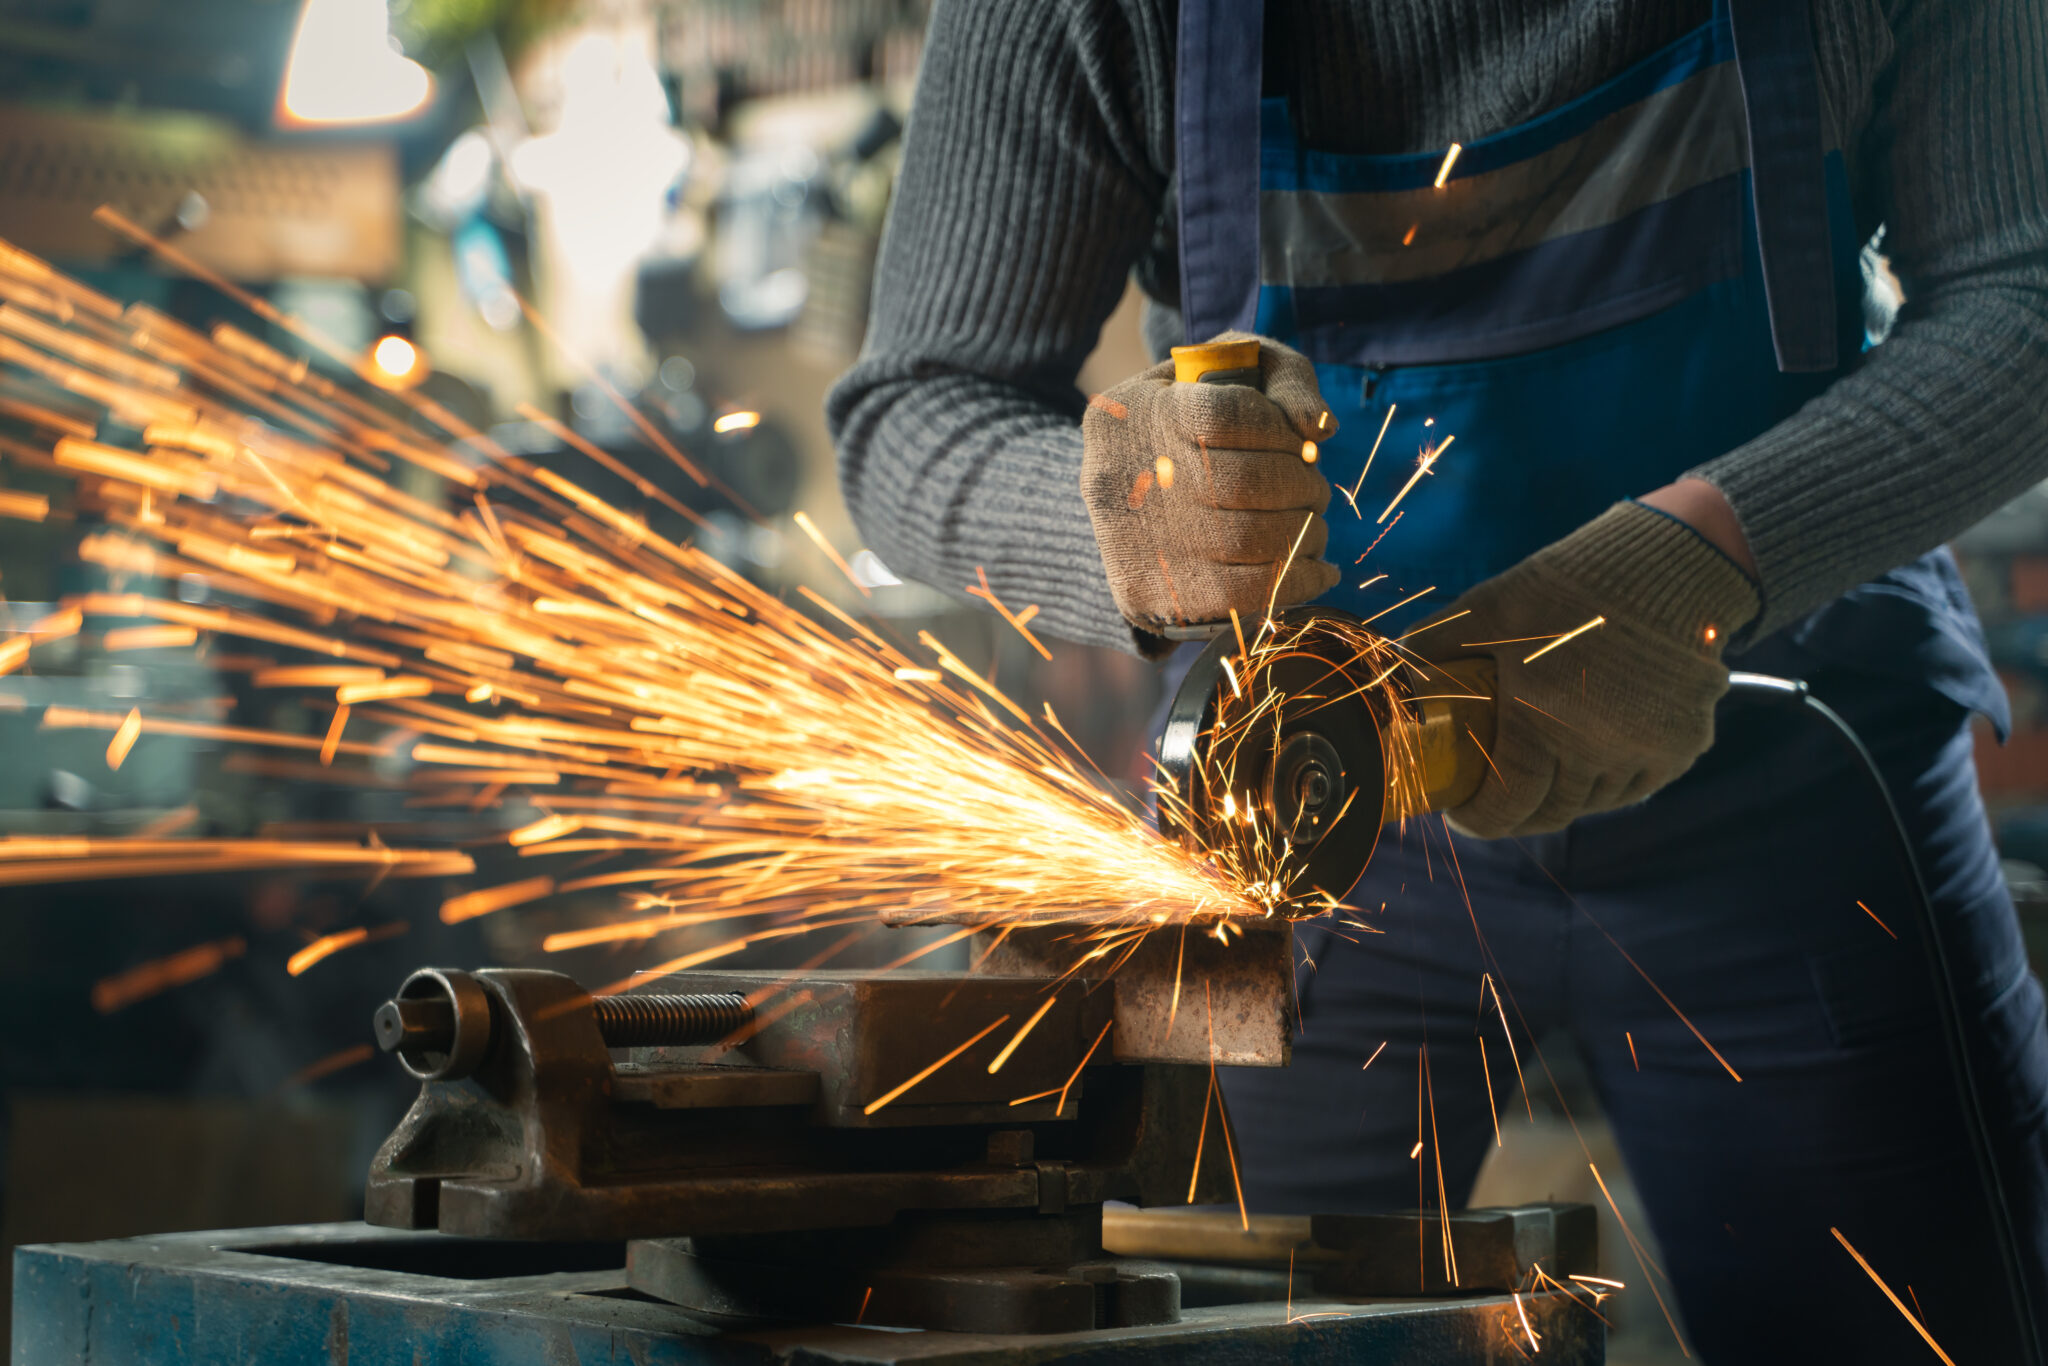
1037 178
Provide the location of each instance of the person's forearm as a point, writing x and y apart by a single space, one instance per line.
1944 423
1030 183
949 475
1948 418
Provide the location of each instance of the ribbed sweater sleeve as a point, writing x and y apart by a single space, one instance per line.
1032 179
1948 418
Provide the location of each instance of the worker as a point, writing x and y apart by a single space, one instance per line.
1589 278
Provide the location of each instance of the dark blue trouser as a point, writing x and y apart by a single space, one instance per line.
1735 892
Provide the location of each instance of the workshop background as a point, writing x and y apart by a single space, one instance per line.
690 192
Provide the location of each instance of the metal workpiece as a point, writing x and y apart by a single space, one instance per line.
1183 995
802 1124
350 1293
1492 1249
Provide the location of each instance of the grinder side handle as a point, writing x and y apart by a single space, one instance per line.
1453 719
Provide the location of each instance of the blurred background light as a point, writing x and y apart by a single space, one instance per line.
397 363
343 69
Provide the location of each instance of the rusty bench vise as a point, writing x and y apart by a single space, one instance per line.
848 1147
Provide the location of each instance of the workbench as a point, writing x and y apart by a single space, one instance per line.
381 1297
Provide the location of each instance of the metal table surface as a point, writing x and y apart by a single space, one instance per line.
350 1293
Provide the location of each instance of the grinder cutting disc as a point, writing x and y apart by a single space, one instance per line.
1293 743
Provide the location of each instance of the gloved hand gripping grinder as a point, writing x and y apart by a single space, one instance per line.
1309 738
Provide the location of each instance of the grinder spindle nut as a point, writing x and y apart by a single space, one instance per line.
439 1024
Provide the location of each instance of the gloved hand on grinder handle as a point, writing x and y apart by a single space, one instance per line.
1617 712
1199 493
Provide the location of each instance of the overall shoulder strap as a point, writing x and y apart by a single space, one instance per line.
1781 94
1216 154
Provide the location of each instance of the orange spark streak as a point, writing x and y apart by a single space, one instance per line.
1375 1053
1180 957
1376 545
1443 1201
996 1063
1397 606
327 945
350 694
1351 494
1525 1321
124 737
1017 620
810 529
1484 755
332 742
144 980
1632 1049
149 638
1487 1072
470 905
1880 924
544 829
1244 1219
1568 635
1897 1304
1443 172
642 485
1425 465
334 1062
917 1077
1201 1135
1485 985
1642 1259
867 1295
1076 1074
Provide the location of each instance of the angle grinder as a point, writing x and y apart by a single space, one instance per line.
1289 751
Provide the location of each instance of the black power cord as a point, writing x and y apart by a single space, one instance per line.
1785 692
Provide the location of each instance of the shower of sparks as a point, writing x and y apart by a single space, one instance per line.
532 647
1239 836
1897 1303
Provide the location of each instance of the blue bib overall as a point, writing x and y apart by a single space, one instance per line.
1586 306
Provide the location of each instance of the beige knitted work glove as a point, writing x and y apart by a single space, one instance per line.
1616 712
1200 493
